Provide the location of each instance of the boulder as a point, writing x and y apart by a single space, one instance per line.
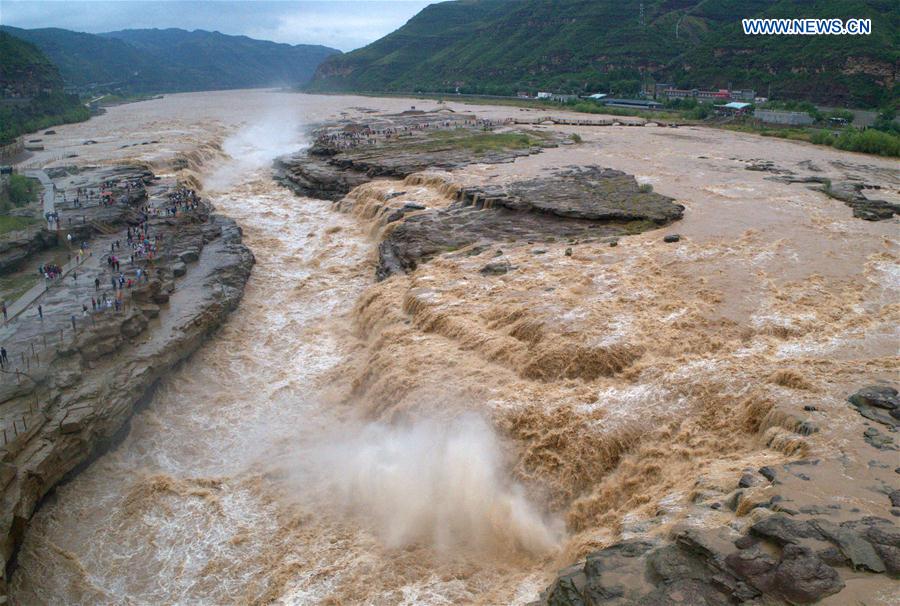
877 395
747 480
753 565
782 529
858 551
179 269
567 590
495 269
884 537
189 256
768 473
802 578
134 325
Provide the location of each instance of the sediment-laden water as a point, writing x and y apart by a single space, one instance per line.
348 443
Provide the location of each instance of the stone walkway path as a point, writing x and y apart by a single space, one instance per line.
34 293
49 195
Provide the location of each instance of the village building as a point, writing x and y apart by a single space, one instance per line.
774 116
631 103
734 108
668 91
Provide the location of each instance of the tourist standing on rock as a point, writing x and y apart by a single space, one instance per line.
97 284
73 322
3 359
5 312
41 312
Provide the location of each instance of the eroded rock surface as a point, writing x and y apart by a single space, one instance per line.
578 204
790 547
779 561
581 204
346 155
851 193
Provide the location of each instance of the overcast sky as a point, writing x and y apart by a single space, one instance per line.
342 24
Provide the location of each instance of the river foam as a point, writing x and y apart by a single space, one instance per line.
402 443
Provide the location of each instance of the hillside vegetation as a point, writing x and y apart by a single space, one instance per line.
172 60
581 46
31 91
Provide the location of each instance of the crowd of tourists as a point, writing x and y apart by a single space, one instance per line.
127 259
355 135
104 195
50 271
181 200
52 217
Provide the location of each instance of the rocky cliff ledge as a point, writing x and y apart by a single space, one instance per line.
576 205
77 398
347 154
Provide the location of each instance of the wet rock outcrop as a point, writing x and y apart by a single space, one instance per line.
785 544
781 560
851 193
347 154
317 174
329 174
879 403
577 204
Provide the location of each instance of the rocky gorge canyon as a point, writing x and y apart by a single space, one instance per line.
481 362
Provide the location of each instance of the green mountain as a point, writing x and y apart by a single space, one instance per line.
31 91
172 60
580 46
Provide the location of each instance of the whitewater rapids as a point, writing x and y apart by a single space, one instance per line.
241 483
424 440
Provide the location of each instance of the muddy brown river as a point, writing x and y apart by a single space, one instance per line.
343 442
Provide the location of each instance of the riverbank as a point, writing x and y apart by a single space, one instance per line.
79 369
868 140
